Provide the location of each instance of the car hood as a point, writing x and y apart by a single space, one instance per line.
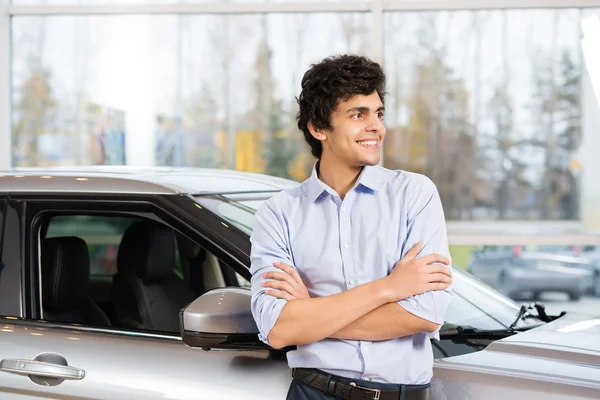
565 350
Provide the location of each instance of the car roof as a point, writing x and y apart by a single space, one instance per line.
137 180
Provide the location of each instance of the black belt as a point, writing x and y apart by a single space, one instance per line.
350 391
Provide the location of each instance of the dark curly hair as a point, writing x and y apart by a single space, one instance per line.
334 79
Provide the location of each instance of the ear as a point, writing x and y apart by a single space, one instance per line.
318 134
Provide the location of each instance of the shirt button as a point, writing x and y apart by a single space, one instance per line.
346 245
352 282
343 209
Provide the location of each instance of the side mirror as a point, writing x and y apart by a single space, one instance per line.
221 319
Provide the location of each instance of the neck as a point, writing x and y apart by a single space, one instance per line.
338 176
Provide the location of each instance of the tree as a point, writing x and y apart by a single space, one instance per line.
355 33
439 137
220 38
557 110
35 112
300 167
204 126
568 135
266 116
512 187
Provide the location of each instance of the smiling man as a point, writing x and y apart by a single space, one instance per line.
352 266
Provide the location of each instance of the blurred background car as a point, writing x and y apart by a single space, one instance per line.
592 281
518 273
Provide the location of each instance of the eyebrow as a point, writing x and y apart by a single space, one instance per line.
364 109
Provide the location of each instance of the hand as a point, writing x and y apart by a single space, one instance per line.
412 275
285 285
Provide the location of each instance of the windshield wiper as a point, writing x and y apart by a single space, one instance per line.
469 332
474 333
466 333
473 337
541 314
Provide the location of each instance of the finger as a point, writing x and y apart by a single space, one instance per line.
437 286
435 258
289 270
440 269
439 278
413 252
280 286
279 276
282 266
279 294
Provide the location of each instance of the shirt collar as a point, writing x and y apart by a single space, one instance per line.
369 178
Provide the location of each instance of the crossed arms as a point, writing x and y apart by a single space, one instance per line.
367 312
411 299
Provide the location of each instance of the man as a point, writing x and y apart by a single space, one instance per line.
325 269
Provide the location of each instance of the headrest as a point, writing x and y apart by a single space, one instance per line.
148 251
65 272
188 247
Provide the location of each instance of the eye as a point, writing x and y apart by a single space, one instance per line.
380 115
356 115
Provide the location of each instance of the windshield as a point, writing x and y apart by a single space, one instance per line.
474 303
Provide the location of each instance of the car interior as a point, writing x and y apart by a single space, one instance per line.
122 272
65 278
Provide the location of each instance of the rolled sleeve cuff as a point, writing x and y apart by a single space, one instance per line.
266 312
423 306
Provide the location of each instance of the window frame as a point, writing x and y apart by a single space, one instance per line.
144 206
2 225
12 246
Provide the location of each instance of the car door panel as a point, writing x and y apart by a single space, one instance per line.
129 366
117 364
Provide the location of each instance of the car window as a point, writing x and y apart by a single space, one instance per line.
122 294
101 234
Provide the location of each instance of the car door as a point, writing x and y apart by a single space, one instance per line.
44 358
128 365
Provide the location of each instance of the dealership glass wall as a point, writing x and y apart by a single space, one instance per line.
491 100
487 103
195 90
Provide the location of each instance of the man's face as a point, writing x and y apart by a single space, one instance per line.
357 131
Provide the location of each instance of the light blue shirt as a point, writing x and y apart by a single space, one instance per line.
337 245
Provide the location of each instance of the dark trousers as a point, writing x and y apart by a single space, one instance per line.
300 391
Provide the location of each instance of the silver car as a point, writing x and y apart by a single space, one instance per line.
517 274
589 265
133 284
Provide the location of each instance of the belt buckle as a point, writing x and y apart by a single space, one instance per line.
376 392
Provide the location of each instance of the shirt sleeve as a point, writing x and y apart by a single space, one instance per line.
426 222
268 245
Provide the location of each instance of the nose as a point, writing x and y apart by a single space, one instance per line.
375 123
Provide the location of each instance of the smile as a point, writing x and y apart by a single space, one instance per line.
368 143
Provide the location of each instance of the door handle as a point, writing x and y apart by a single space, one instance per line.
42 369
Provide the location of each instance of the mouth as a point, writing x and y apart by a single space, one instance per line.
369 144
